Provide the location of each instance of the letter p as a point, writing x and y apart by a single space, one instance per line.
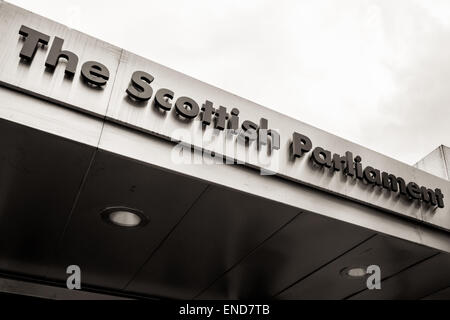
300 145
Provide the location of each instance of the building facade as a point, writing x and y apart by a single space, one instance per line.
157 185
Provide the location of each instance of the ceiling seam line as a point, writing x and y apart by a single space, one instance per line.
96 149
444 158
247 255
109 100
72 210
395 274
324 265
62 285
433 293
166 237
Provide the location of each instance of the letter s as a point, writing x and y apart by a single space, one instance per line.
139 88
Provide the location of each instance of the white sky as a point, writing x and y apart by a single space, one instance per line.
374 72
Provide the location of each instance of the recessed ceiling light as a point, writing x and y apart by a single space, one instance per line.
124 217
354 272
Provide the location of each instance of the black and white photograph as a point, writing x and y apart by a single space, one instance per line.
221 159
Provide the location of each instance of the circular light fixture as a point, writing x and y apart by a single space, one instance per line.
124 217
354 272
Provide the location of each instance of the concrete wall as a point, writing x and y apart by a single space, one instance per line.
437 162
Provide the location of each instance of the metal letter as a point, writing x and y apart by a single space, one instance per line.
187 108
264 132
56 53
162 99
222 116
373 176
414 190
440 198
249 131
322 157
95 73
389 182
208 111
428 196
140 88
32 39
233 122
300 145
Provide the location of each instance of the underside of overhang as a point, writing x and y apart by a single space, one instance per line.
203 240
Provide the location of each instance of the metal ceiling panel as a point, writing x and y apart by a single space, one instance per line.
40 175
299 249
440 295
108 255
222 228
45 291
417 282
390 254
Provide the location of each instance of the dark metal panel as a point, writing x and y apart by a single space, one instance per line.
421 280
390 254
109 255
221 229
297 250
440 295
40 175
27 288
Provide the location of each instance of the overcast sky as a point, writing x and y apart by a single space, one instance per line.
374 72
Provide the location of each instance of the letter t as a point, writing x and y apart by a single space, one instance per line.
32 39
